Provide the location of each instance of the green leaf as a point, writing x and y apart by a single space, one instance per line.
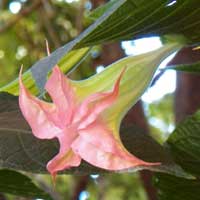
66 64
143 146
184 144
20 150
15 183
98 12
131 19
190 68
176 188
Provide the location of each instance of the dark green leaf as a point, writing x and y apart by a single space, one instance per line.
175 188
130 19
98 12
15 183
20 150
184 143
144 147
190 68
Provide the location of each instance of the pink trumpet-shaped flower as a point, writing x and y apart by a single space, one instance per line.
79 126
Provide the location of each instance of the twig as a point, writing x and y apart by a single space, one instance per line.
46 22
79 22
3 4
23 13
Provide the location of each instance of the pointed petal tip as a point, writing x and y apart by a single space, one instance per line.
53 173
55 72
117 83
21 69
106 153
47 47
57 69
96 103
146 164
20 76
63 162
53 177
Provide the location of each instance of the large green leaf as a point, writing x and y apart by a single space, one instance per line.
15 183
129 19
133 19
184 143
98 12
176 188
16 140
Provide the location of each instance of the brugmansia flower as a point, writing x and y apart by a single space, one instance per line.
85 115
81 125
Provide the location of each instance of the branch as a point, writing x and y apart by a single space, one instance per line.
25 11
46 13
79 17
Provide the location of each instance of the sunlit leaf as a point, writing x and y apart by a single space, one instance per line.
184 143
67 63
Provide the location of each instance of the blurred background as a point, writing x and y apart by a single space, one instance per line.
24 26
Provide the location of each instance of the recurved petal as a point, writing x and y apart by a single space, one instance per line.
97 145
37 113
66 158
62 94
90 109
62 161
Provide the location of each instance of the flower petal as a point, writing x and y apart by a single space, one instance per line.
95 104
97 145
66 158
37 113
62 95
63 160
